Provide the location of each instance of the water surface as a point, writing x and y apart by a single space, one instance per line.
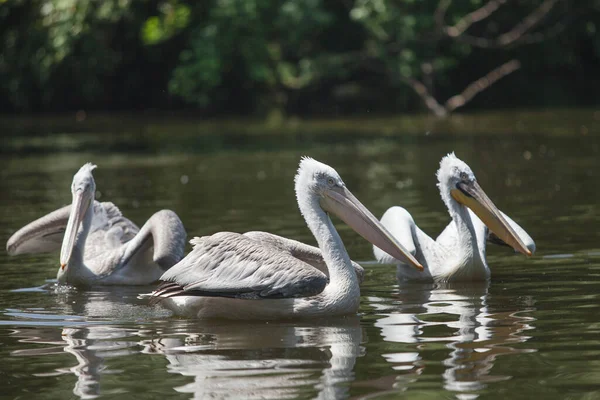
532 331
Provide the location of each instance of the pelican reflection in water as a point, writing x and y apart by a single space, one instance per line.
234 276
455 313
254 360
91 346
99 245
458 253
221 360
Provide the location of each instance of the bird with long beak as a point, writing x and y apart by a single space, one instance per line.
458 254
235 276
99 245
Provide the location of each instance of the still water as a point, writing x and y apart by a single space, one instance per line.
532 331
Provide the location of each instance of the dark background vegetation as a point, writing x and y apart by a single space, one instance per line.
297 57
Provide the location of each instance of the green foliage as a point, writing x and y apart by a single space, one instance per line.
256 55
173 18
40 39
272 43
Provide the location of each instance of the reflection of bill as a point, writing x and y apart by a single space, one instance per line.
456 314
266 361
219 359
76 330
90 346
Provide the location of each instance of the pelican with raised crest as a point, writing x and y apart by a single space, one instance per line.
458 253
235 276
99 245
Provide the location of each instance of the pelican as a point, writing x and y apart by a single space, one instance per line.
99 245
458 254
234 276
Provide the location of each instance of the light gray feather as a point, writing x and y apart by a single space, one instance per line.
234 265
165 232
113 242
109 229
43 235
309 254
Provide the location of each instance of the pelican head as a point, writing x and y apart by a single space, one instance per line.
319 185
83 189
458 184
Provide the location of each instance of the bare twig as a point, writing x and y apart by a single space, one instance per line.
481 84
427 98
522 33
472 90
427 70
548 33
440 13
529 22
518 34
473 17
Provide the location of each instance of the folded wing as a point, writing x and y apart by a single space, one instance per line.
46 233
309 254
164 235
233 265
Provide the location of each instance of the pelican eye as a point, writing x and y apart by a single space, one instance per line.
330 182
464 176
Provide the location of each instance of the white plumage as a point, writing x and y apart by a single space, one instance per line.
458 253
263 276
99 245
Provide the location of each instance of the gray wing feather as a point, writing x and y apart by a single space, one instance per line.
165 234
309 254
109 229
233 265
107 216
43 235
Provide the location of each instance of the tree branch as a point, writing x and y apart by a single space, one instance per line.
427 98
480 85
440 14
529 22
472 90
473 17
518 34
541 36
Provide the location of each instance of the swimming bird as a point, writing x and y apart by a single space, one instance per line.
458 253
99 245
234 276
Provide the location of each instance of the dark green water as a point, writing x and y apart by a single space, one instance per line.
532 332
